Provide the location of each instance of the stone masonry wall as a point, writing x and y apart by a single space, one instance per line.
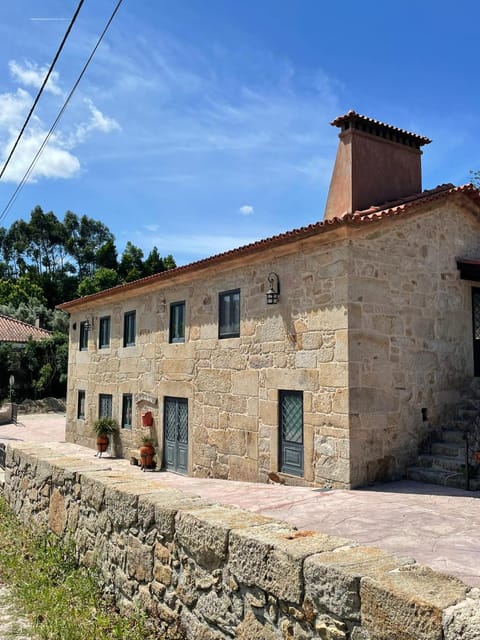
232 385
222 572
410 334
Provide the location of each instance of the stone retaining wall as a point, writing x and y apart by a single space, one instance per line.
223 572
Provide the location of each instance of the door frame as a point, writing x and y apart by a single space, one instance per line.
475 326
295 449
181 469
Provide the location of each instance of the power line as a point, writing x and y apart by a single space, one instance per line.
54 61
57 119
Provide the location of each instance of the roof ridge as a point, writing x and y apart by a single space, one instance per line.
368 215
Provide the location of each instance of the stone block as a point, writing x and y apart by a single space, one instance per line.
271 557
139 560
463 619
408 603
332 580
235 442
158 509
182 366
253 628
204 533
214 380
371 400
306 359
293 379
368 346
57 514
244 469
245 383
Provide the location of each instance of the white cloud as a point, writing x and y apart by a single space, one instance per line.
57 159
31 75
246 210
97 122
54 162
13 109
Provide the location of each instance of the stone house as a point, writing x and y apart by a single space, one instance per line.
324 354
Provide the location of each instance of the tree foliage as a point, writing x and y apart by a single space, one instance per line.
45 261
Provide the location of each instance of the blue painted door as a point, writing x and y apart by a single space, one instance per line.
291 432
176 435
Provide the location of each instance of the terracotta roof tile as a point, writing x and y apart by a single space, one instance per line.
352 117
404 206
12 330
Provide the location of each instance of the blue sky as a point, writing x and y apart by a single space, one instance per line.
202 125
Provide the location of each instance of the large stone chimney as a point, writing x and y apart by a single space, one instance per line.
375 163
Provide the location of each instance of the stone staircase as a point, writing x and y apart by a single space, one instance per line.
442 460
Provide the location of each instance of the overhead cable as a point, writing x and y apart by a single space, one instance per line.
40 91
57 119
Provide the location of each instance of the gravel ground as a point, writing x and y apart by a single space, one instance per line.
13 625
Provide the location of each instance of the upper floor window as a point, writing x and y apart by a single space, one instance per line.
83 340
127 406
229 314
104 333
81 405
104 405
177 322
129 329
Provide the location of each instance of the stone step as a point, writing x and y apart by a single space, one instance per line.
452 435
473 403
467 414
436 476
454 449
448 464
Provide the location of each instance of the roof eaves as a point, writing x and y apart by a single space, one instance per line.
366 216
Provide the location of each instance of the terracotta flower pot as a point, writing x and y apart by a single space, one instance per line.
147 451
102 444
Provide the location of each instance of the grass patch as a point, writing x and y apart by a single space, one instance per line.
62 600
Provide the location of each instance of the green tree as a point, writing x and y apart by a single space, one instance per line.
153 263
107 256
102 279
131 265
169 262
14 292
85 237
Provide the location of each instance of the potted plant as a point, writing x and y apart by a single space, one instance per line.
147 451
103 428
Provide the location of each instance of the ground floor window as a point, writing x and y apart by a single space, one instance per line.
127 407
105 405
81 405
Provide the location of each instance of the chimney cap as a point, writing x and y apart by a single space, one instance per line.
354 120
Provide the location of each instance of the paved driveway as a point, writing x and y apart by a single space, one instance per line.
437 526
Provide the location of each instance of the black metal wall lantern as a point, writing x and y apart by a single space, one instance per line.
88 324
273 294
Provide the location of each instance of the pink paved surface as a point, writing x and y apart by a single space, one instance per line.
437 526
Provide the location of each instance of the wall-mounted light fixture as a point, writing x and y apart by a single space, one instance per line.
273 293
89 323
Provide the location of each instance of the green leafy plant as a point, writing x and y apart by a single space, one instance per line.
105 426
148 440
